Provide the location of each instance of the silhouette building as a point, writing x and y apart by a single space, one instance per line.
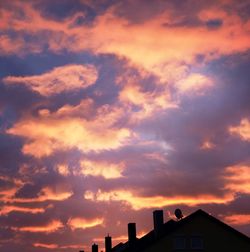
199 231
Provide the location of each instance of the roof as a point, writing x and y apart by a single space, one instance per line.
171 226
146 240
200 212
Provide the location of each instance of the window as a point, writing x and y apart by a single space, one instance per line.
196 242
180 242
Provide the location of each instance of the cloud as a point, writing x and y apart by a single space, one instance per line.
44 245
5 210
194 83
50 227
84 109
9 46
243 130
140 44
6 194
237 219
11 180
82 223
60 79
11 186
140 202
151 116
48 136
113 34
238 178
102 168
63 169
56 246
146 102
53 132
207 145
46 194
123 238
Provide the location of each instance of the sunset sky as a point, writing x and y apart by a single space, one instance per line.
110 109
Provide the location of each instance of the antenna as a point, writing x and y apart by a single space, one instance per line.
178 213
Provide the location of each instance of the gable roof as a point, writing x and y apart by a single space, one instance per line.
169 227
200 212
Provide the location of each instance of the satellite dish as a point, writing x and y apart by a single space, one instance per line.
178 213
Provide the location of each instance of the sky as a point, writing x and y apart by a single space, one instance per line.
112 109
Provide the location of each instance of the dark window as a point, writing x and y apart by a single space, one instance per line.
179 242
197 242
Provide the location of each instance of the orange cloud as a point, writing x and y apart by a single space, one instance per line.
82 223
238 219
207 145
54 246
50 135
83 109
50 194
46 194
139 202
51 227
243 130
63 78
122 238
7 193
238 178
32 20
102 168
194 83
139 42
8 46
63 169
15 181
26 170
44 245
147 102
5 210
56 131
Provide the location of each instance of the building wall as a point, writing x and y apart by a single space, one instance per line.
215 238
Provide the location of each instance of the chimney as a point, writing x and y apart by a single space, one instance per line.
158 222
94 248
108 243
131 233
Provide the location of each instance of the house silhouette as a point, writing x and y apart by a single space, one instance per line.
200 232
